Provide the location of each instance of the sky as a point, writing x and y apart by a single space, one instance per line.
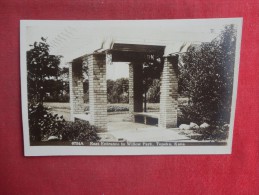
72 39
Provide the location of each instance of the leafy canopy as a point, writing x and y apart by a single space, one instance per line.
206 78
41 65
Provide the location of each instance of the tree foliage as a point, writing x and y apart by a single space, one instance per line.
43 123
206 78
153 93
78 131
117 91
152 69
56 90
41 65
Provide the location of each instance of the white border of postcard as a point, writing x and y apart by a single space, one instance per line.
121 150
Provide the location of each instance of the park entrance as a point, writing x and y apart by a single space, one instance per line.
136 55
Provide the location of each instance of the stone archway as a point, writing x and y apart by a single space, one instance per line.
120 52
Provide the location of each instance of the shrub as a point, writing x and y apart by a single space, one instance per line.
42 123
206 75
213 133
195 113
181 119
114 108
79 131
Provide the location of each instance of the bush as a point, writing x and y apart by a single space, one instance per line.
42 123
213 133
114 108
195 113
206 75
181 119
79 131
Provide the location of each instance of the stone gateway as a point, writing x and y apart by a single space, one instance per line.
135 54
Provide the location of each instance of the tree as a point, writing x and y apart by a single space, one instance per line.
41 65
86 90
152 69
206 78
117 91
56 90
153 93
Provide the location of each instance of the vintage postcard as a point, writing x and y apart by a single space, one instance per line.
129 87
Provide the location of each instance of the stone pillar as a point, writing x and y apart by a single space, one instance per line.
135 89
76 88
97 90
169 93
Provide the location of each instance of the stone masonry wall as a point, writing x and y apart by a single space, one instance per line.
97 90
131 92
135 89
169 93
76 89
71 95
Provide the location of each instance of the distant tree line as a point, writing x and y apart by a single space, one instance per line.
117 91
56 91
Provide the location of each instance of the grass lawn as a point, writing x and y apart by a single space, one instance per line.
62 105
61 108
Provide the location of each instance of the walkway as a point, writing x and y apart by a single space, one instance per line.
119 130
148 134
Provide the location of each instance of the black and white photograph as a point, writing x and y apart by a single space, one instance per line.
129 87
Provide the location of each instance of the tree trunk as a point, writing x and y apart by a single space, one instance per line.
145 102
